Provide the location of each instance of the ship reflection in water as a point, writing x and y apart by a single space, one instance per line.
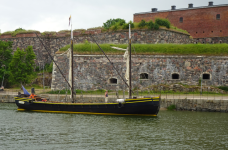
169 130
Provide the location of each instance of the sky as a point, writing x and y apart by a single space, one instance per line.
53 15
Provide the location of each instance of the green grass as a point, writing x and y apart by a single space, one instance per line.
171 107
154 49
14 33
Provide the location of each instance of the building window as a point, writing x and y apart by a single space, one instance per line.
218 16
206 76
144 76
113 81
175 76
181 19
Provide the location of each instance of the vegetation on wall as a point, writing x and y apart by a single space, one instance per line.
154 49
20 31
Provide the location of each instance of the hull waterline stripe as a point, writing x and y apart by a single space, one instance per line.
89 113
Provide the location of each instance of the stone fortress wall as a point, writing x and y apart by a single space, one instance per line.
54 43
95 72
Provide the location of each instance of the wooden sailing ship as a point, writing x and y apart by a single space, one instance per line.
129 106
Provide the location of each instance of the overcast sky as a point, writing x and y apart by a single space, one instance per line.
53 15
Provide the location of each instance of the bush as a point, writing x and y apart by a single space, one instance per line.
142 23
156 26
224 88
163 22
171 107
150 25
126 25
112 22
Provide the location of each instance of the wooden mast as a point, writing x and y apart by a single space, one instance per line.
71 65
129 46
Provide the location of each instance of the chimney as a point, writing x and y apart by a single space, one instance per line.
173 7
190 5
210 3
154 9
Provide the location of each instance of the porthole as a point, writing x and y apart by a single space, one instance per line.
144 76
175 76
112 81
206 76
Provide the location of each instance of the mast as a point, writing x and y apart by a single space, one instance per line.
71 65
129 46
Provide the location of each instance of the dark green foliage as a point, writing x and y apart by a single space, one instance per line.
112 22
126 25
5 59
171 107
37 69
49 67
156 26
224 88
19 29
163 22
115 27
150 25
22 65
199 83
142 23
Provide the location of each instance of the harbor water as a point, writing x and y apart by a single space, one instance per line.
169 130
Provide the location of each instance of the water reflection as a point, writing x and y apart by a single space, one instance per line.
170 130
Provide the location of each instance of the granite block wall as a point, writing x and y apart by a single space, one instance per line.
95 72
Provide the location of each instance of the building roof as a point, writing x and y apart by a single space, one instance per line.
182 9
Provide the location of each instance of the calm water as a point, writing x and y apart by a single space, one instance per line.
170 130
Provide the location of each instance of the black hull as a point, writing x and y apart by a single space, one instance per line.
142 106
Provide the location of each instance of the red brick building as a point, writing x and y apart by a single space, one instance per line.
200 22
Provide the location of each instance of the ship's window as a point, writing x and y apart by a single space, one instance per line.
206 76
218 16
144 76
175 76
113 81
181 19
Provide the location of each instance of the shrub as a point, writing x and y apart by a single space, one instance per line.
142 23
126 25
171 107
115 27
163 22
112 22
224 88
150 25
156 26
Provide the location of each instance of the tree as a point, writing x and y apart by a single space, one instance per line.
112 22
22 65
5 59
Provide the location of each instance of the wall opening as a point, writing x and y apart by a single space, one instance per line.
175 76
181 19
218 16
206 76
144 76
113 81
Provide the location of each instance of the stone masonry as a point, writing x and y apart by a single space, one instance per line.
95 72
54 43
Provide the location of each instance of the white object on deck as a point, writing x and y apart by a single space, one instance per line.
120 100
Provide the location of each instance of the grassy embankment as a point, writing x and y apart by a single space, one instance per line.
152 49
